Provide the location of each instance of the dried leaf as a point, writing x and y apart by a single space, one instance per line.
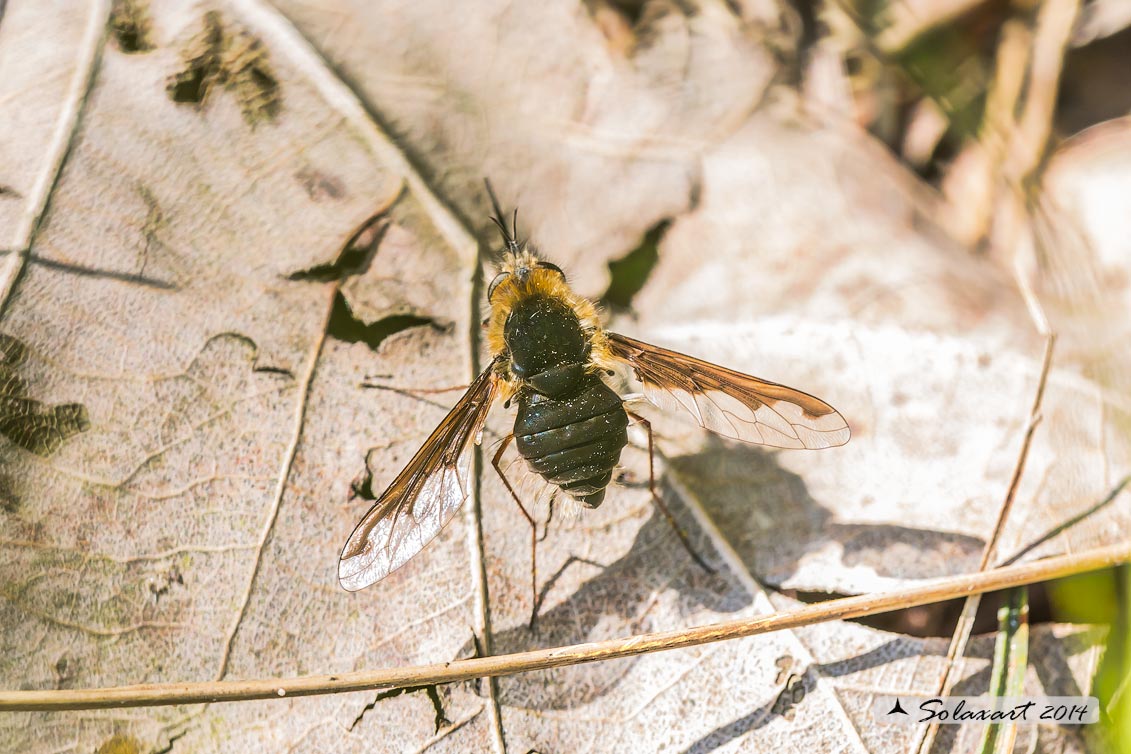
216 276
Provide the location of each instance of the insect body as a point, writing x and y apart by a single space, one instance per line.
571 426
550 356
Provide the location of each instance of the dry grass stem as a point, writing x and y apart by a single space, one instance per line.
540 659
965 627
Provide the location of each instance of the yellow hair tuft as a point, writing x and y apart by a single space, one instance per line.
547 282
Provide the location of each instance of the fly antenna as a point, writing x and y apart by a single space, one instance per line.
508 236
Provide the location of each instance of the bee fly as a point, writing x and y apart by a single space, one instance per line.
550 355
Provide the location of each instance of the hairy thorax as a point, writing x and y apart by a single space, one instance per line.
571 427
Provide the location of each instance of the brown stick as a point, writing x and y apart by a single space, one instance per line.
965 627
148 695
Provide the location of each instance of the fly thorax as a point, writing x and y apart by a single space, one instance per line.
547 346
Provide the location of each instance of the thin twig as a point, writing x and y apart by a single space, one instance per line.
1022 456
540 659
965 627
1064 526
1019 164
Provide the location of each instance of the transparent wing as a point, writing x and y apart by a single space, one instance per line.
731 403
424 496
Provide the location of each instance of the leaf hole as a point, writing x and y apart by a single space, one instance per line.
629 273
345 326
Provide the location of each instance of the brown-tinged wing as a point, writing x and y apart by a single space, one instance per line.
424 496
731 403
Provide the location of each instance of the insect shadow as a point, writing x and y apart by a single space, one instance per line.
619 599
770 520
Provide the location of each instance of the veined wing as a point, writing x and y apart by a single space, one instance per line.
731 403
424 496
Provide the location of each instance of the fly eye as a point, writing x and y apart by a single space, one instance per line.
495 283
551 266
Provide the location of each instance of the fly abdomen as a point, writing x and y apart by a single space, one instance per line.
573 441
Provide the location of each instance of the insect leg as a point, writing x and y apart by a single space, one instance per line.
549 516
533 527
370 382
658 501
